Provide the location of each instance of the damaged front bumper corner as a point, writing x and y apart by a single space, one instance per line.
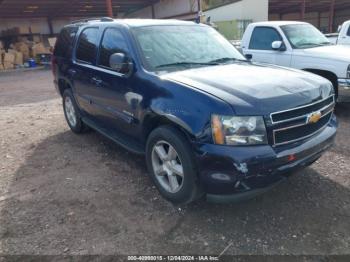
229 174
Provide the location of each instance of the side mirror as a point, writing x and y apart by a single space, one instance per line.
120 63
278 46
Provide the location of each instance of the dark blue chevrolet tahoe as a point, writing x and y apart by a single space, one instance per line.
209 122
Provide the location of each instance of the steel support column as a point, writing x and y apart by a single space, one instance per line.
49 23
302 10
200 13
153 11
331 16
109 8
199 5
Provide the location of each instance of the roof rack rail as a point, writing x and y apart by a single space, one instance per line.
85 20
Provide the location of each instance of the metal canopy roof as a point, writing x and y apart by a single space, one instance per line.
291 6
66 8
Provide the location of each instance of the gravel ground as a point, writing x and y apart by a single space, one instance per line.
61 193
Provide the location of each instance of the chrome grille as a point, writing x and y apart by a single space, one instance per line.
293 125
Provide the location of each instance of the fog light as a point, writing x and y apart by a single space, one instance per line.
291 158
222 177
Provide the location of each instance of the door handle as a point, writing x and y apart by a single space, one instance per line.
96 81
249 56
72 72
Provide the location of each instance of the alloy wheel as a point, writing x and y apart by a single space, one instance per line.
70 111
167 167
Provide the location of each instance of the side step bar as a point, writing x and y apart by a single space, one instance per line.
117 137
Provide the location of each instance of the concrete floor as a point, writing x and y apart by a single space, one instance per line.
61 193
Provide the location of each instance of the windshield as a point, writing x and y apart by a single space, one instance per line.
171 48
304 36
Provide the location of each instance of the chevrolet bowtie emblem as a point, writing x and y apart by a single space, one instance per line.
314 117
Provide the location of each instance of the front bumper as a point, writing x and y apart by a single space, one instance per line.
343 90
234 173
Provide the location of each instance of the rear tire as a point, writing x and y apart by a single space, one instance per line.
72 113
171 166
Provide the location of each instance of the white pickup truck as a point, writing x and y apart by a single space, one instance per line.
343 35
302 46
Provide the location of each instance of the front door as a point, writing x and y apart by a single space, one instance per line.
260 47
114 89
346 39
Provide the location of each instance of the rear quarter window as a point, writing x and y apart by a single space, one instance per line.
65 41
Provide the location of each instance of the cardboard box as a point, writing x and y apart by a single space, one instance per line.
36 39
19 58
35 29
52 41
12 51
24 49
9 58
39 49
23 39
2 53
8 65
24 29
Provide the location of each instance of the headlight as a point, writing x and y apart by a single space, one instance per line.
228 130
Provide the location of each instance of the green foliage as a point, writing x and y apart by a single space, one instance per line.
207 4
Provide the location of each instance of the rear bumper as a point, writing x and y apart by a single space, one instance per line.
343 90
230 174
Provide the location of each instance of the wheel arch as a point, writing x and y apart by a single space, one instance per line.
63 84
326 74
153 121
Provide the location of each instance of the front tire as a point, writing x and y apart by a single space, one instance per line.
171 166
71 112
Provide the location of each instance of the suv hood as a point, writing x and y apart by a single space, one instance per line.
255 89
337 52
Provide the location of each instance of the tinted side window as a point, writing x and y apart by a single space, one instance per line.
64 44
263 37
87 45
348 31
113 42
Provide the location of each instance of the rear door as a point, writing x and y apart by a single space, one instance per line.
260 47
83 70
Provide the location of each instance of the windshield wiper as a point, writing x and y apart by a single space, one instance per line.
227 59
186 64
312 44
